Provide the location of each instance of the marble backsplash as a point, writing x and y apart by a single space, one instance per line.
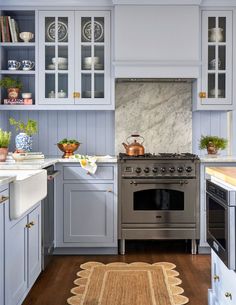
160 112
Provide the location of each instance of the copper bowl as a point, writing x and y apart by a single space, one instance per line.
68 149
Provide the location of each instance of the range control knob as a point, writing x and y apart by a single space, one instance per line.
146 170
154 170
138 170
189 169
180 169
163 170
172 169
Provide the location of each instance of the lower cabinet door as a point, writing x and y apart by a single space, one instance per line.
16 262
34 245
89 214
1 254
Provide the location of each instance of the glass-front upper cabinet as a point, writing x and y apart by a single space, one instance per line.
216 58
74 58
92 58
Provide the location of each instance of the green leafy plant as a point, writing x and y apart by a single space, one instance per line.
219 143
69 141
5 138
8 82
30 128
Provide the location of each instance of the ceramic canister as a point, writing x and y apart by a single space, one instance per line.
24 142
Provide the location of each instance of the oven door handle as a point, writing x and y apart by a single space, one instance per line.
181 182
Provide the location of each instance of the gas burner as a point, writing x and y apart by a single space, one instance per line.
160 156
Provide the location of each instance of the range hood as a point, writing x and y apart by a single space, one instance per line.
155 80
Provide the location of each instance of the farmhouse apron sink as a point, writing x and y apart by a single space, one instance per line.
29 187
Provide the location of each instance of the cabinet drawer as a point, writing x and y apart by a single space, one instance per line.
78 173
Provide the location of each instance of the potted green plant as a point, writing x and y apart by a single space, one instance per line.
23 140
12 85
5 138
212 144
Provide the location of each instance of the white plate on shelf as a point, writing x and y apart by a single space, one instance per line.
98 31
62 31
51 67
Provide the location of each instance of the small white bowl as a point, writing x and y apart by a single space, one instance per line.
19 156
90 60
26 95
59 60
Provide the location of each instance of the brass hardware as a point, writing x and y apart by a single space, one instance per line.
216 278
76 94
3 199
32 223
228 295
28 226
109 191
202 95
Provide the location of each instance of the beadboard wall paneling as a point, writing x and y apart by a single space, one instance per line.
3 120
209 123
94 129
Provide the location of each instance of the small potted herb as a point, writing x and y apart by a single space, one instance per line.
5 138
12 85
212 144
24 140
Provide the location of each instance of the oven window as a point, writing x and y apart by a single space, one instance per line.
156 200
216 221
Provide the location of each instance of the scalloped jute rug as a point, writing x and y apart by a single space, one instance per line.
127 284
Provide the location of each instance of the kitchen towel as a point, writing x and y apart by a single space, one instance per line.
88 163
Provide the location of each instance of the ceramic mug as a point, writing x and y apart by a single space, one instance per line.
27 65
13 64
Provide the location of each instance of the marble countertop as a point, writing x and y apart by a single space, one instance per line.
6 179
217 159
43 163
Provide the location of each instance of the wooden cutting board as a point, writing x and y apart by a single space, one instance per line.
227 174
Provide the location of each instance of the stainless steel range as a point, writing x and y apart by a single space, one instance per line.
159 197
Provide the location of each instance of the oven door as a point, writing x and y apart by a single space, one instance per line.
221 229
159 201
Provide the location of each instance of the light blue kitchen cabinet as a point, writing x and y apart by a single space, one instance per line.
86 210
89 214
22 254
3 199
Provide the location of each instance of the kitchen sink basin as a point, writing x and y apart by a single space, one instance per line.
29 187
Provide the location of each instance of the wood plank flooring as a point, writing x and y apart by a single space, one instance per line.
54 284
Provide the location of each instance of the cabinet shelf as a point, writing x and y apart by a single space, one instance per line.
17 44
17 72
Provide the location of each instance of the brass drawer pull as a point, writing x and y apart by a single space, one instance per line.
202 95
109 191
3 198
216 278
228 295
30 224
76 95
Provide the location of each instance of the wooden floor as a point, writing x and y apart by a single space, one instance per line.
54 284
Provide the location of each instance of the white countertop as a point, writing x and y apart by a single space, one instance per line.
42 163
217 159
4 179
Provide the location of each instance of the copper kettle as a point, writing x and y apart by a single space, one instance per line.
135 148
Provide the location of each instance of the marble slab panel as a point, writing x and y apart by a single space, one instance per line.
160 112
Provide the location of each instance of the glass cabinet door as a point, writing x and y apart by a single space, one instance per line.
56 57
92 58
217 58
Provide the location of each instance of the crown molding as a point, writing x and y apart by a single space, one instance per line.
157 2
218 3
60 3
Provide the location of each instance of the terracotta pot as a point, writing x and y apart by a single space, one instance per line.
3 154
13 93
211 149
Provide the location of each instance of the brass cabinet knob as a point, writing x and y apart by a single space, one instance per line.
216 277
32 223
202 95
76 95
109 191
28 226
228 295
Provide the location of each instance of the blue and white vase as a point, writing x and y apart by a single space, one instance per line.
24 142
